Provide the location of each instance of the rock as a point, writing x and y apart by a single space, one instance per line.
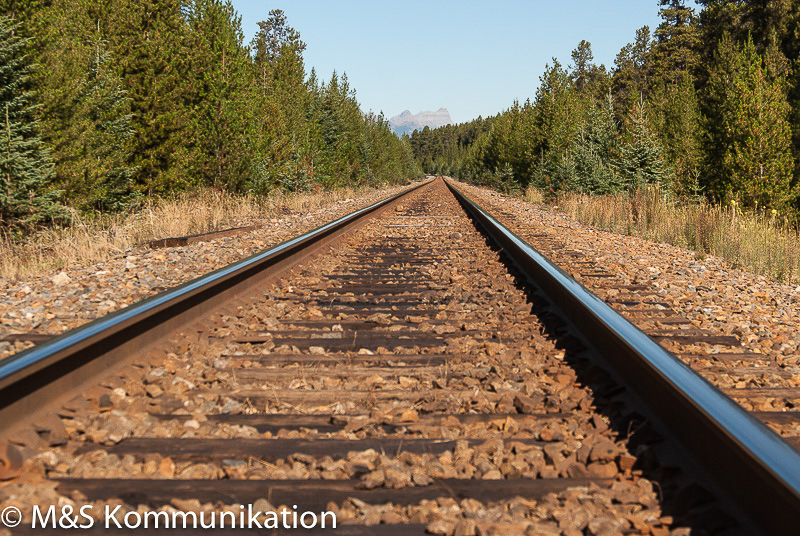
53 428
154 391
605 527
603 451
626 462
543 529
406 382
408 415
263 505
391 518
504 529
527 404
372 515
397 478
154 374
494 474
578 470
118 428
14 455
60 279
166 468
181 385
421 479
494 348
372 480
444 527
231 406
603 470
186 505
553 453
465 527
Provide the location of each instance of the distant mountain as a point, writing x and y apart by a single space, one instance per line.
406 122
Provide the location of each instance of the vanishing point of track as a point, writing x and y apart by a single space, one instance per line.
413 365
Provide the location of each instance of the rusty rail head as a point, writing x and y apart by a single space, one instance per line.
62 367
745 460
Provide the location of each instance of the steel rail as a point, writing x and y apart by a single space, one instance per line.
55 370
748 462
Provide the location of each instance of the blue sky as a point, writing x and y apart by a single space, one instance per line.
473 57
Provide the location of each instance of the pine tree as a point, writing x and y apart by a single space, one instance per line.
95 147
224 97
340 124
586 76
714 102
641 159
557 114
632 72
592 153
760 20
26 169
768 23
151 41
23 12
676 50
278 59
674 115
274 39
758 160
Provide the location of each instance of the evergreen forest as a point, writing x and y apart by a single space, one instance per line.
705 105
106 102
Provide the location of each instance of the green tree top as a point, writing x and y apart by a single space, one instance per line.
677 41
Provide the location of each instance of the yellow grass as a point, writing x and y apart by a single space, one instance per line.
533 195
762 243
86 241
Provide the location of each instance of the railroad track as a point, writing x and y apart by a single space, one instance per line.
391 368
759 381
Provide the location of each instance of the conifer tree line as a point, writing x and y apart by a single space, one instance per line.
707 104
104 102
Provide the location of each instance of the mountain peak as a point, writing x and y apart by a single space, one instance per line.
406 122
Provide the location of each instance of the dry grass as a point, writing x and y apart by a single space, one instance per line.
533 195
87 241
761 243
